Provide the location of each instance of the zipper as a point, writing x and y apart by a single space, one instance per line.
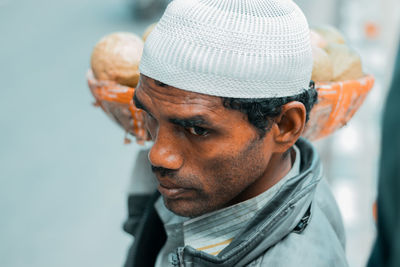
176 259
179 253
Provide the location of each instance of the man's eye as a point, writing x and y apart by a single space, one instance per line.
198 131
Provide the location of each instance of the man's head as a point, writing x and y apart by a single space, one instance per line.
225 88
210 152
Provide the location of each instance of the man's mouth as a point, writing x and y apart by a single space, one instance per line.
171 191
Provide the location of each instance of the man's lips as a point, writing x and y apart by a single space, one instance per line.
171 191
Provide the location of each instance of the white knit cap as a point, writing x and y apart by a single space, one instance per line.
231 48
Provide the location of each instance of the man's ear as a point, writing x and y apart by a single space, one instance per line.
289 125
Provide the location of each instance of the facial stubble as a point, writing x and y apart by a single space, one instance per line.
231 176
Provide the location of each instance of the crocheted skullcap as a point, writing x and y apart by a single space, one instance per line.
231 48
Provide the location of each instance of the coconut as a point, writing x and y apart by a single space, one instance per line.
330 34
346 62
116 57
322 66
317 40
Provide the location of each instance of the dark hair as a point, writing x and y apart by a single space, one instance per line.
260 111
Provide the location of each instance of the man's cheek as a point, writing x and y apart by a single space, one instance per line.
221 169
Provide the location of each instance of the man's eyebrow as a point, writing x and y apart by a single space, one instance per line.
139 104
197 120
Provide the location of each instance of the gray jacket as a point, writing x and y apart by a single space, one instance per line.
300 226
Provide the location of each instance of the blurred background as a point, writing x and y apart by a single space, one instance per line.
64 169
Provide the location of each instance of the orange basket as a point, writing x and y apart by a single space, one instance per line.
337 103
116 100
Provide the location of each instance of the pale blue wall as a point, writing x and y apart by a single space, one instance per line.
63 166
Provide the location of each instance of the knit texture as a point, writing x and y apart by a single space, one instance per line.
231 48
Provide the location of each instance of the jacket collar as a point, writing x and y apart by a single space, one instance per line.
273 222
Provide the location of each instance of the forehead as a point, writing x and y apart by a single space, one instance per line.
151 93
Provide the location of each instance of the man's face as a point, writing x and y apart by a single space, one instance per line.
205 156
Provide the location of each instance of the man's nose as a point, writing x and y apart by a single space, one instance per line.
166 152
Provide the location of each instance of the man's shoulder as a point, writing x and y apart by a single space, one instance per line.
320 244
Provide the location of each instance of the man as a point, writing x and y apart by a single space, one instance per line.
386 250
225 89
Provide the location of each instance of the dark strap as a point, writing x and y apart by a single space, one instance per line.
303 222
149 238
137 205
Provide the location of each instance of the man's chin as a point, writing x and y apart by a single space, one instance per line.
185 207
